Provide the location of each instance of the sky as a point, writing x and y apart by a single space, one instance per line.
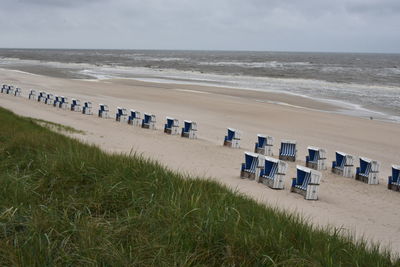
267 25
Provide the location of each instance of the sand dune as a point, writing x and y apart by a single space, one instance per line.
365 210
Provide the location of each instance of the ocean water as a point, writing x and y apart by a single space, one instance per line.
366 85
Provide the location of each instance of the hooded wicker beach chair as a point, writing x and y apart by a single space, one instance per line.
189 129
368 172
87 108
273 173
252 165
4 89
316 158
232 139
10 90
394 179
288 150
64 102
171 126
264 145
32 95
343 165
76 105
103 111
306 183
49 99
17 92
42 97
135 118
121 115
149 121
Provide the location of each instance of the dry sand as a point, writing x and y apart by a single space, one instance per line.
370 211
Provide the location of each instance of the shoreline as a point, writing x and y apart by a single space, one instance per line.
369 211
327 104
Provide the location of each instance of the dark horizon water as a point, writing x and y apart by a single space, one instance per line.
364 81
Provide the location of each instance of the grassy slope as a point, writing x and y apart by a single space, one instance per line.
66 203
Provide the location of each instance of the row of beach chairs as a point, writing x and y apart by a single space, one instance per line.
10 90
260 165
189 130
271 171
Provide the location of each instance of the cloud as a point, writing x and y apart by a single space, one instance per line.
319 25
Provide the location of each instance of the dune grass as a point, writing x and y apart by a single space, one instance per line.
66 203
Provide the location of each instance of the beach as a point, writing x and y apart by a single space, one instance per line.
369 211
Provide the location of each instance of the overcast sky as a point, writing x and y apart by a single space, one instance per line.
274 25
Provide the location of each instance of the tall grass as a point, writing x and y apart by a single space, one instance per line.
66 203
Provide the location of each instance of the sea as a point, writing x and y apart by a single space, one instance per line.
364 85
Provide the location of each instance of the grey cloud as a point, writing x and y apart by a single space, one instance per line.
322 25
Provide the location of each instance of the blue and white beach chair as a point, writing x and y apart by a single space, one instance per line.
32 95
288 150
273 173
17 92
189 129
316 158
10 90
264 145
135 118
76 105
149 121
87 108
368 172
42 97
49 99
343 165
172 126
121 115
4 89
306 183
232 139
64 102
103 111
394 180
57 100
251 168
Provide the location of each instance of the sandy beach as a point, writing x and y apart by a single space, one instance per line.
369 211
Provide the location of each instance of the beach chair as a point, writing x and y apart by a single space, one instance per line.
172 126
264 145
42 97
121 115
252 165
32 95
343 165
368 172
56 102
76 105
135 118
189 129
394 180
17 92
4 89
288 150
10 90
87 108
64 102
306 183
103 111
232 139
149 121
316 158
273 173
49 99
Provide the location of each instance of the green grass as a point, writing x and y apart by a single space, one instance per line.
66 203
